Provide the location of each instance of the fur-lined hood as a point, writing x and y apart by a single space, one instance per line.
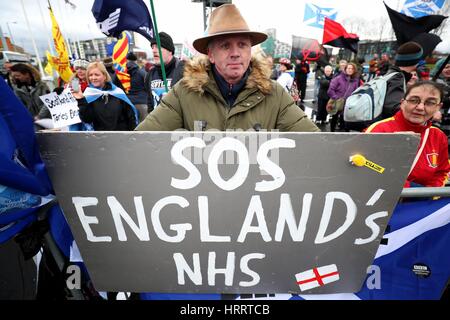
196 74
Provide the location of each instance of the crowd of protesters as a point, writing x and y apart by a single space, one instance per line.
118 109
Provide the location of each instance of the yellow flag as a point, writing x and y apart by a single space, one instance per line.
48 69
63 68
60 63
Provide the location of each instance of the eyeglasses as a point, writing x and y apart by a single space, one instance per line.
429 103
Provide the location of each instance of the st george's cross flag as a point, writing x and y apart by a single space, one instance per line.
317 277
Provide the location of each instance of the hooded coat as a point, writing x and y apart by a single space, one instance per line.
262 102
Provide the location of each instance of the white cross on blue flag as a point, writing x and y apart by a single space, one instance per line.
315 15
420 8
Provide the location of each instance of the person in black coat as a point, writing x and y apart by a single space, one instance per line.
301 76
154 84
137 92
103 104
322 97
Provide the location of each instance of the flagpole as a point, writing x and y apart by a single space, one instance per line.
76 42
50 47
38 58
163 69
63 25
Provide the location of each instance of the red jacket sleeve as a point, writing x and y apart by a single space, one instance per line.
440 177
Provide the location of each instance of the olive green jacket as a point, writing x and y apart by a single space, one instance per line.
197 97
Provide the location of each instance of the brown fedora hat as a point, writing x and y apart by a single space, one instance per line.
227 20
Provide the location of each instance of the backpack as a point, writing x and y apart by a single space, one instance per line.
293 91
365 104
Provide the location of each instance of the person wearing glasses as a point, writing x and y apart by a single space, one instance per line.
421 101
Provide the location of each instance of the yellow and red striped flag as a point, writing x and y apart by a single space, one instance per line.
60 63
120 61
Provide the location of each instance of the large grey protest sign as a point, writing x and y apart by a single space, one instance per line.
148 217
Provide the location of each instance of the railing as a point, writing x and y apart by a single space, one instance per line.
425 192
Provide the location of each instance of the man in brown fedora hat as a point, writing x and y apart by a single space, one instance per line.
226 88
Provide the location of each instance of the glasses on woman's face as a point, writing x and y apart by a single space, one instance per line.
429 103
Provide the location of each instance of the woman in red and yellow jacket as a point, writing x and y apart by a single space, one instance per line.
421 101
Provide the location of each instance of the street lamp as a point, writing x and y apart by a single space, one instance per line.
9 30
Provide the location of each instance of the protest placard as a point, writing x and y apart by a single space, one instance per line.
63 108
213 212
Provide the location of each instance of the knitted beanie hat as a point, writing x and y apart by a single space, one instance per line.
80 63
108 62
131 56
408 54
166 42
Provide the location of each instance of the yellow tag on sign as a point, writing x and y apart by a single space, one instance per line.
360 161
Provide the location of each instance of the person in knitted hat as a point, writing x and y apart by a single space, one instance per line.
80 75
154 84
137 93
166 42
80 63
408 54
225 87
406 59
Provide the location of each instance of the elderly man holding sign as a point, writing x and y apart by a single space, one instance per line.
228 89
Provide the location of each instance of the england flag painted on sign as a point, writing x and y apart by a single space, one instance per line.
315 15
420 8
317 277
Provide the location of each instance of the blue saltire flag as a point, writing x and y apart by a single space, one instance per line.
91 94
24 184
115 16
414 264
314 15
420 8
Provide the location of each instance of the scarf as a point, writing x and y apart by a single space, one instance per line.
92 93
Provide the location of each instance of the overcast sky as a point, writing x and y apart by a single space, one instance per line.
182 19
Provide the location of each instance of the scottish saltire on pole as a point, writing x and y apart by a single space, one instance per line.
420 8
414 264
120 60
61 63
314 15
115 16
336 36
23 178
406 28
